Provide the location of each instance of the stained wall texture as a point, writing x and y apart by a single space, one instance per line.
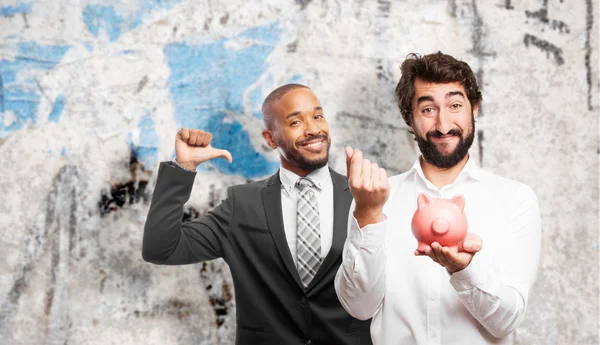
93 92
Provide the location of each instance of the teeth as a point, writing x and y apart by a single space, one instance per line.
314 144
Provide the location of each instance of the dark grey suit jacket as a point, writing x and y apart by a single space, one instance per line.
246 230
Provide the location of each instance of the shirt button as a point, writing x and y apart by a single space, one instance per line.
303 301
432 334
432 298
308 342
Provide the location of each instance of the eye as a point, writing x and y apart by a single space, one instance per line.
427 110
294 123
319 116
456 106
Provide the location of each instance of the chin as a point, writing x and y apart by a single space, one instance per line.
313 164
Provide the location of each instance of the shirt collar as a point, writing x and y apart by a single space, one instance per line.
470 170
319 177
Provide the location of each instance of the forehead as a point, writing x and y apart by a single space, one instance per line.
300 99
437 91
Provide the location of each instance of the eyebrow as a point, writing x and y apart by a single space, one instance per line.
296 113
448 95
455 93
424 99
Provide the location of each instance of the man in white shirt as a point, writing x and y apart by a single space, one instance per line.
473 294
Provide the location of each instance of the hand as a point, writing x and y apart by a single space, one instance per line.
369 186
457 258
192 147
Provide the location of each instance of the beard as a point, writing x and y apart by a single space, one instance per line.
293 155
431 153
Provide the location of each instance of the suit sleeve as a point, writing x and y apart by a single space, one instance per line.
168 240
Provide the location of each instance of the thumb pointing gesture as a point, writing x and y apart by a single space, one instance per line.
192 147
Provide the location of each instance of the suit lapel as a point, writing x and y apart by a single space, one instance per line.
271 198
342 198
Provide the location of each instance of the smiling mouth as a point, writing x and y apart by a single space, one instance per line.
313 145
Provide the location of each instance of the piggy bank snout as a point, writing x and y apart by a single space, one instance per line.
440 226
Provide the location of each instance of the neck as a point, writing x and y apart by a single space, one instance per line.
441 177
294 168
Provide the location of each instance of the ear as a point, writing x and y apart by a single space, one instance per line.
475 111
422 200
269 138
459 201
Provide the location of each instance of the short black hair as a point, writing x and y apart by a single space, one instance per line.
274 96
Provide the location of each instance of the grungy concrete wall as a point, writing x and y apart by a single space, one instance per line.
92 93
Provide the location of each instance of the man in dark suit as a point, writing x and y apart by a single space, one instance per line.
281 237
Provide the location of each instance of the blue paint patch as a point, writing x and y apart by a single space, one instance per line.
297 79
147 7
21 96
24 7
8 77
88 46
208 81
1 96
256 99
146 150
98 17
57 109
61 153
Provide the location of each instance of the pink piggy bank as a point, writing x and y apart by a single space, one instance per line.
439 220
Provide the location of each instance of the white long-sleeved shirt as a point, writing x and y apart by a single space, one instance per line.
289 204
414 300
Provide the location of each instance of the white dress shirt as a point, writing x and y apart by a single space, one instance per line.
414 300
289 203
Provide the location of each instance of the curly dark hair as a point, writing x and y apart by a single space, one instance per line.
433 68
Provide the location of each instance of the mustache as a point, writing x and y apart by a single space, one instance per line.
311 138
437 134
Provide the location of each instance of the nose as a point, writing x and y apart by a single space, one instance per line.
440 226
311 128
443 122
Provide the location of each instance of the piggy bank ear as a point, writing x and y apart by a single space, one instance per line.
422 200
459 201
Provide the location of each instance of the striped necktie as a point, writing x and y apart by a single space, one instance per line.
308 244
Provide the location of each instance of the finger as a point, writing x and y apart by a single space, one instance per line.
375 175
184 134
429 252
200 138
383 178
207 138
222 154
366 171
356 167
349 152
472 243
451 258
436 249
193 136
472 246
